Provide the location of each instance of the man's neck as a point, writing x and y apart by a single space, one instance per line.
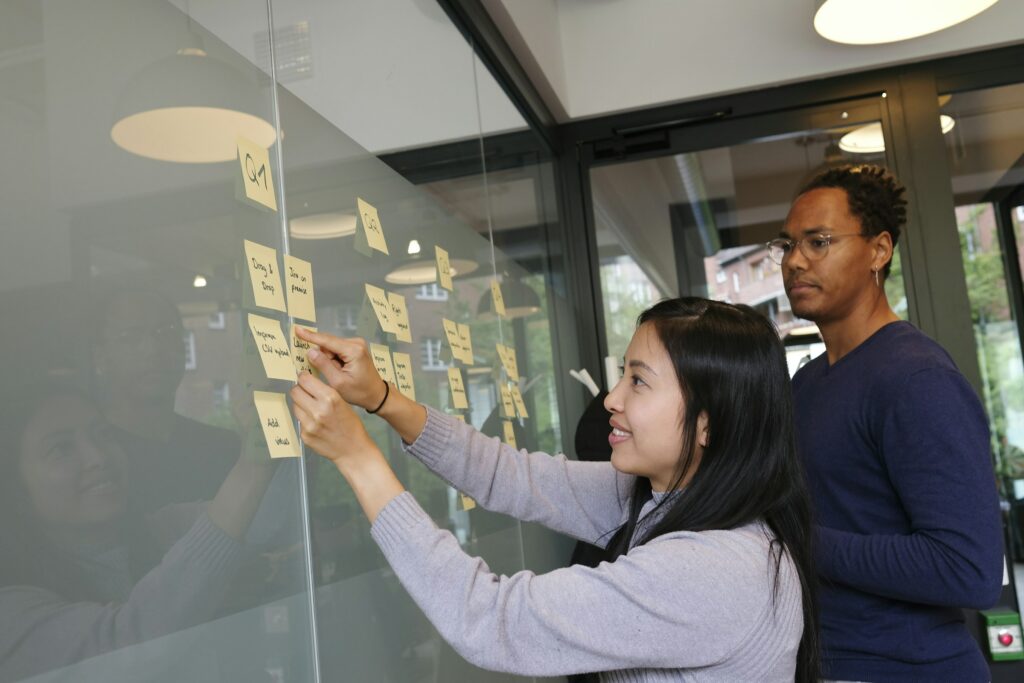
843 335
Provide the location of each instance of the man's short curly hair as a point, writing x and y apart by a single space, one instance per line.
874 195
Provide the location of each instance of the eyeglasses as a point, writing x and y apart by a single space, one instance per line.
813 247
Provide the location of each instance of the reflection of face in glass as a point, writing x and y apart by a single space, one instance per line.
141 349
72 469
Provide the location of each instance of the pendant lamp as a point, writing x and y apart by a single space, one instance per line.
871 22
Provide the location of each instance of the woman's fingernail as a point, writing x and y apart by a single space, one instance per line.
312 354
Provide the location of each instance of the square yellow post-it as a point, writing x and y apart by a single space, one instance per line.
263 271
499 300
459 401
403 373
298 278
507 355
381 356
517 398
467 344
379 300
399 317
256 176
509 433
467 502
444 268
508 407
278 427
451 333
370 221
299 350
273 347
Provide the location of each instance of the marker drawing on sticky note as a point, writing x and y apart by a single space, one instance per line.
370 222
509 433
451 333
466 342
403 374
273 347
507 356
256 177
399 317
517 398
444 268
263 272
379 300
459 401
300 348
508 407
381 356
276 420
298 279
499 300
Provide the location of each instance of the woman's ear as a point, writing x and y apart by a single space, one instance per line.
703 433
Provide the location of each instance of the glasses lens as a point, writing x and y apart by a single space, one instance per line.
777 250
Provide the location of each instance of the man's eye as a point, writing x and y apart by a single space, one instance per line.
819 242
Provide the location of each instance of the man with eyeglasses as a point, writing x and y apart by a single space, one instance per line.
896 448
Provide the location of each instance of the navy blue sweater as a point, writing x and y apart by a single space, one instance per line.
896 447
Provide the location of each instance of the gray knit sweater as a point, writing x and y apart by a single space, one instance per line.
686 606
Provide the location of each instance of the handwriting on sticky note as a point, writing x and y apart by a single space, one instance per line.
256 176
399 317
451 333
403 374
467 502
372 228
466 342
263 272
509 432
459 401
444 268
278 427
273 347
379 300
517 398
299 350
507 355
381 356
499 300
508 407
298 278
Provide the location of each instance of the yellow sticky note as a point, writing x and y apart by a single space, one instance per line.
379 300
467 502
399 317
381 356
444 268
466 342
266 282
507 355
499 300
403 373
508 407
460 418
371 226
510 433
256 177
451 332
276 420
459 401
299 350
517 398
273 347
298 277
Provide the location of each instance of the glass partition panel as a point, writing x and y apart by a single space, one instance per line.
147 534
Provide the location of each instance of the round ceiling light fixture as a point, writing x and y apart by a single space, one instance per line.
872 22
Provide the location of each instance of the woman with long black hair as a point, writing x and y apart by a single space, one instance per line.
703 506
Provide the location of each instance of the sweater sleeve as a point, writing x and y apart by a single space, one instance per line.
40 630
935 445
671 603
585 500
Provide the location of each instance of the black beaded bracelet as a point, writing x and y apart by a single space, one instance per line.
387 391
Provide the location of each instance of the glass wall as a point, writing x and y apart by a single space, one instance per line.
148 533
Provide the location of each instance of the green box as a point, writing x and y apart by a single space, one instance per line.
1004 634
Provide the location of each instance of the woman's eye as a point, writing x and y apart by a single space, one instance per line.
61 450
635 381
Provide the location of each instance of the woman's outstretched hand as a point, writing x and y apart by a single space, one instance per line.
346 366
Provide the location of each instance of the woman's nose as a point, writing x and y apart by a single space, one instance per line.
612 402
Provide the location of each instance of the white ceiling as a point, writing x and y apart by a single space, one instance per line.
594 57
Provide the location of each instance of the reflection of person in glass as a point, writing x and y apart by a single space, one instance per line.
140 361
896 446
703 507
80 574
